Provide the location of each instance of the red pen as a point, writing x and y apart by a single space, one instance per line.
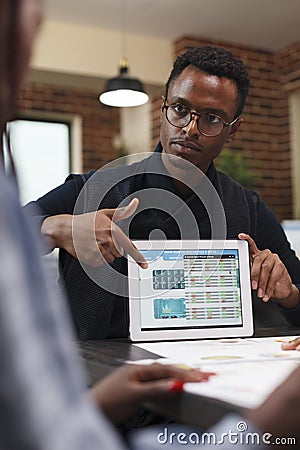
176 386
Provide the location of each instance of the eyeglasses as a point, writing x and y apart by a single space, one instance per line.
208 124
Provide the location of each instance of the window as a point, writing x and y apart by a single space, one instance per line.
43 154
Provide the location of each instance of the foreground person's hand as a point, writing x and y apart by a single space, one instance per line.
122 393
279 415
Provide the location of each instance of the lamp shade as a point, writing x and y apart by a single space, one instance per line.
124 90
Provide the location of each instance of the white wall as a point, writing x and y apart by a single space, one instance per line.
91 51
294 108
135 128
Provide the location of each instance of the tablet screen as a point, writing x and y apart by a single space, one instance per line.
190 289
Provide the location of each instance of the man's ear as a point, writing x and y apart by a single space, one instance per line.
234 129
161 109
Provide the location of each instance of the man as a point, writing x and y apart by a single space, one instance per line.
201 111
43 405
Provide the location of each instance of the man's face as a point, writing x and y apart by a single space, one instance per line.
202 93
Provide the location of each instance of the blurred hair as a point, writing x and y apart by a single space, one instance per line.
9 10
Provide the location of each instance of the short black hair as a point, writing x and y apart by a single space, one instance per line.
215 61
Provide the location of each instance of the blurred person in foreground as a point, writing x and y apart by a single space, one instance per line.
43 402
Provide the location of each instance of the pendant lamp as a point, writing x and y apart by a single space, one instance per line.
123 90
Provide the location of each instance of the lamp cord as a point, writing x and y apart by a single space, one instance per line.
122 23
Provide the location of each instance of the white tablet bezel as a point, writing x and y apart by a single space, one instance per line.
245 329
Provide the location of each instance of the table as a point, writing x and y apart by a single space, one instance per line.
101 357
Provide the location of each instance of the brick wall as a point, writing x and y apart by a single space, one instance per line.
264 137
99 123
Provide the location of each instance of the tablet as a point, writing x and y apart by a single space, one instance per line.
190 290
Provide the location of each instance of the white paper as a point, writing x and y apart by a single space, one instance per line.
247 370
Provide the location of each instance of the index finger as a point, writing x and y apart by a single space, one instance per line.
252 246
129 247
158 371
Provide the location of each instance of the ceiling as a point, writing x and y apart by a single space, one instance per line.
263 24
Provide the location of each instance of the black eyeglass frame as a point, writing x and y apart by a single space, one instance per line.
195 113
